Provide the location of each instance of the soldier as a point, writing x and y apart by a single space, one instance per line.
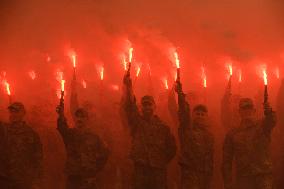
197 144
153 145
86 153
249 145
21 152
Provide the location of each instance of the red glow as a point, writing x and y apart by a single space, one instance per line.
115 87
277 73
32 74
203 75
240 76
84 84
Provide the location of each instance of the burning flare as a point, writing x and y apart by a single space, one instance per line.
62 85
124 63
265 81
277 73
73 57
102 73
204 77
177 60
240 76
138 71
7 86
130 54
32 75
84 84
230 69
165 81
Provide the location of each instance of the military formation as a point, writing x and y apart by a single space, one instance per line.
246 162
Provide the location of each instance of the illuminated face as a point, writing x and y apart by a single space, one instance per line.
16 116
81 120
200 117
247 113
148 109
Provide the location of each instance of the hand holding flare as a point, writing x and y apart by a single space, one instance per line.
7 87
177 65
267 108
60 108
130 60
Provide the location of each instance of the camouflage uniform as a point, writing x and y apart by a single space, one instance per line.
153 147
249 145
21 155
86 155
197 150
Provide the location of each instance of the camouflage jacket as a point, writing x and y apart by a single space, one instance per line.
86 153
197 143
21 154
152 142
249 145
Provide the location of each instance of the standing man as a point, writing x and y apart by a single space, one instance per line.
86 153
197 144
153 145
21 152
249 146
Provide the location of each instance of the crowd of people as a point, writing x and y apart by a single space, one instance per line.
149 151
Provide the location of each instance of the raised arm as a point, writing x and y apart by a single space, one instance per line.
226 107
183 107
269 121
172 105
130 107
74 103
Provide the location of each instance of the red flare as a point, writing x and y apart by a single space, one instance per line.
62 85
84 84
177 60
265 80
204 77
74 60
124 63
32 74
130 54
102 73
277 73
230 68
165 81
138 71
7 86
240 76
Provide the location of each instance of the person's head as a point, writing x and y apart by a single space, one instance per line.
81 118
90 108
246 109
148 106
17 112
200 115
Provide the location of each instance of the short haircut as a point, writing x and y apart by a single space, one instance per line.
200 107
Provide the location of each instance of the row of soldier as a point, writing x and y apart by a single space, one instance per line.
153 145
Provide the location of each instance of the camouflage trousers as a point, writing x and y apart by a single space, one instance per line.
255 182
78 182
194 180
146 177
